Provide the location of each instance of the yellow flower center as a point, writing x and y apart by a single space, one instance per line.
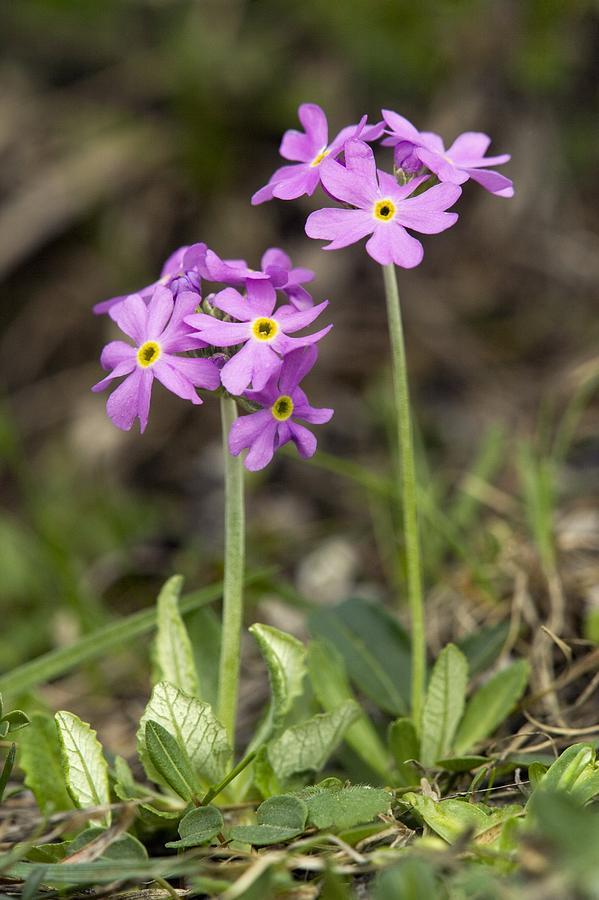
384 210
264 329
319 157
148 354
282 408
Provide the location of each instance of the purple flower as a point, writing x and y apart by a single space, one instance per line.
263 432
276 267
264 337
158 332
182 271
307 150
463 160
383 209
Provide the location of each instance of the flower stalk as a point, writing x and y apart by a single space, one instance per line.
232 617
409 490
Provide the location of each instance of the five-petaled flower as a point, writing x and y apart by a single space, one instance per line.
262 332
284 402
276 267
308 150
463 160
382 209
158 332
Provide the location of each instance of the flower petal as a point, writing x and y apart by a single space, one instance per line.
233 303
245 430
160 309
261 297
263 447
304 180
199 371
315 124
236 374
123 368
174 380
131 400
426 212
348 186
469 145
443 168
116 352
292 320
392 244
400 126
341 227
303 439
274 256
220 334
296 366
492 181
131 317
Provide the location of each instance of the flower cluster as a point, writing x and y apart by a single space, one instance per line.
239 339
378 205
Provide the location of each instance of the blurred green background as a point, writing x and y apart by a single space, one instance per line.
129 127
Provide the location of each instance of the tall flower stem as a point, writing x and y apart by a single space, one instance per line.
228 679
409 490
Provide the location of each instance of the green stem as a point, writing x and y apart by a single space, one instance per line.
216 789
228 680
409 491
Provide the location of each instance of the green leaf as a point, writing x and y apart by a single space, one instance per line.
574 772
205 633
125 846
491 704
482 647
285 658
7 768
195 728
451 818
199 826
307 747
374 647
264 777
443 705
16 720
279 819
40 759
347 807
329 683
173 653
84 766
170 761
404 745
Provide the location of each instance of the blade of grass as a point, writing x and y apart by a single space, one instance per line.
91 646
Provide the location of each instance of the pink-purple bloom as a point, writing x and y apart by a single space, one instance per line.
158 332
262 333
306 150
463 160
284 402
276 266
382 209
182 271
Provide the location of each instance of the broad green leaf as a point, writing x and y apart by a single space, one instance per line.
125 846
443 705
374 647
404 745
195 728
173 653
285 658
279 819
199 826
575 772
307 747
40 759
264 776
347 807
170 761
451 818
205 633
84 766
491 704
329 683
16 719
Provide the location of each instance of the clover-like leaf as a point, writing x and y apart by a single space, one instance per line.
307 747
173 653
194 726
85 768
199 826
279 819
